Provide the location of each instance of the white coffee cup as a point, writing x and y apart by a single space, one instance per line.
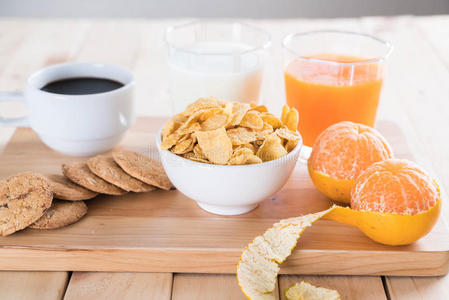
79 125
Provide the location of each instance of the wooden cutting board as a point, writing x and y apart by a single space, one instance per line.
164 231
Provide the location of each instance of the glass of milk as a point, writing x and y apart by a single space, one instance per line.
219 59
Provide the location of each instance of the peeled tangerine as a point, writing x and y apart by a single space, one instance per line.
341 153
393 202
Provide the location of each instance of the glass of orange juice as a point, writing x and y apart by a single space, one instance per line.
333 76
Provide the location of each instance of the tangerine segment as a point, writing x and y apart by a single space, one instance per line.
394 186
388 228
334 188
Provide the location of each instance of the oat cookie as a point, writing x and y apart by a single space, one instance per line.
143 168
65 189
106 168
79 173
60 214
23 200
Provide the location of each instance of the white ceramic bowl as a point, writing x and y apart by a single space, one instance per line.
227 190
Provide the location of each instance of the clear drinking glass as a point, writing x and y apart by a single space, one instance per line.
220 59
333 76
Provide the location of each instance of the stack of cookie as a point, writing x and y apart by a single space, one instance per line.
26 200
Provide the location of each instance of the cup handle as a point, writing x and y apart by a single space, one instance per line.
13 122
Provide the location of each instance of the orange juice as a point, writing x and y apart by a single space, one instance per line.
328 93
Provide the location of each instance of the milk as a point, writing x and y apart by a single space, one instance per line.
226 70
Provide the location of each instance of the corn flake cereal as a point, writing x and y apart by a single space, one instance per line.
290 117
259 108
290 145
238 111
230 133
202 103
243 156
184 146
250 146
192 156
252 120
198 152
216 145
215 121
241 135
287 134
264 132
271 148
271 119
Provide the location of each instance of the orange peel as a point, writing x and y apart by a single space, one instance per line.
335 188
388 228
258 267
306 291
394 202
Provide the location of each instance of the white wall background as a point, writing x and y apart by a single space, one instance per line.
220 8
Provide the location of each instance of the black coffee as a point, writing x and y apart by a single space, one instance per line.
82 86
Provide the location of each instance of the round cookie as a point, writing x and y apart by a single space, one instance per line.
143 168
79 173
23 200
60 214
65 189
106 168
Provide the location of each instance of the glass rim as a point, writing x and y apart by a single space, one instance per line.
387 44
170 29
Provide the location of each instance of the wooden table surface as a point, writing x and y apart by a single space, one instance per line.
415 96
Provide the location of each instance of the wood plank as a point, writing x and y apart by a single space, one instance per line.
435 30
5 135
32 285
349 287
13 33
412 288
154 232
63 38
135 286
207 286
112 42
